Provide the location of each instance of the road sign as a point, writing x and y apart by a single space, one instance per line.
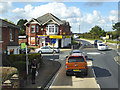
53 41
23 45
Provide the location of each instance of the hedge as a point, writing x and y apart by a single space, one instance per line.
19 61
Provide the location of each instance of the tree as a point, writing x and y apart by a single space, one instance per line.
116 27
97 32
21 23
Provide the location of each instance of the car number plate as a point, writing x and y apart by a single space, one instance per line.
76 70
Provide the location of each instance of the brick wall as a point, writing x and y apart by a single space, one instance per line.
6 36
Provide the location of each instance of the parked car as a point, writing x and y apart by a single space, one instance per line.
46 49
102 47
99 42
75 51
95 42
76 64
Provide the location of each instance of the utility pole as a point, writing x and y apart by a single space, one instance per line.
79 28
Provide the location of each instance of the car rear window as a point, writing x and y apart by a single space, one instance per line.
76 59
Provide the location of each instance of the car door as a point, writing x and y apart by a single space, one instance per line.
48 50
43 49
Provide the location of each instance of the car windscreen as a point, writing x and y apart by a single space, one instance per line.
76 59
75 51
102 45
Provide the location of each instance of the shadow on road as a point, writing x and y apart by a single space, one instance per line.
101 72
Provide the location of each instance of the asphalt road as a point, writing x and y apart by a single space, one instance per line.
105 67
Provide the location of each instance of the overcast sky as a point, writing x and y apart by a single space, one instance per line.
85 14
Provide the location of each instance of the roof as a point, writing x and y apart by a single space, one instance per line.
48 18
22 37
4 23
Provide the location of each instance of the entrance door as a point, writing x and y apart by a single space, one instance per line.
59 43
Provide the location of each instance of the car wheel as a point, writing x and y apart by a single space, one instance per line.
85 73
67 74
40 52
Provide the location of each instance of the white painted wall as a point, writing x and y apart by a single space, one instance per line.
16 49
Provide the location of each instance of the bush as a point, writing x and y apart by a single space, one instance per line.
19 61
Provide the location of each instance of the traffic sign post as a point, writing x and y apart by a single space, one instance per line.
53 42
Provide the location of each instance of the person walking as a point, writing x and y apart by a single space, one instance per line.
33 68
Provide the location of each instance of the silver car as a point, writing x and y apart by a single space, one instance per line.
46 49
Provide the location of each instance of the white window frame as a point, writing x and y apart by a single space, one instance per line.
33 31
54 27
37 27
11 35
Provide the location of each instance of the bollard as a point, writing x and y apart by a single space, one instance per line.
15 80
7 84
117 46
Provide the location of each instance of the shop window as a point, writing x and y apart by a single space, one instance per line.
33 29
11 51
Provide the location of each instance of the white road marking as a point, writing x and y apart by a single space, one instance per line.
54 80
93 53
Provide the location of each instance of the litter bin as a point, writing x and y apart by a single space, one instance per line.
118 46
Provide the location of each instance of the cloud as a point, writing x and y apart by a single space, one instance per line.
71 14
93 4
5 7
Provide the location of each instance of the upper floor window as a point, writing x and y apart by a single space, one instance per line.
52 28
56 28
33 29
11 35
37 28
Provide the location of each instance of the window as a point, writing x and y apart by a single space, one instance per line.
76 59
56 28
51 28
33 29
37 28
11 35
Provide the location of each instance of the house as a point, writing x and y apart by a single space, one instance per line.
9 37
44 29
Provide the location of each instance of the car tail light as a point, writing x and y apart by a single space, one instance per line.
85 65
66 66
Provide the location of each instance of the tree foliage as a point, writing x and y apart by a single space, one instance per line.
21 23
116 27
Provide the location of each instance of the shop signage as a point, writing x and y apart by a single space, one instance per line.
55 36
68 36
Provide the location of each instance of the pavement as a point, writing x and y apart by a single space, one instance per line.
47 70
112 46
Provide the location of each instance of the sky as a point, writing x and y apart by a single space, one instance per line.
83 14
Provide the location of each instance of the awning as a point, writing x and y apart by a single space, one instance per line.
42 36
55 36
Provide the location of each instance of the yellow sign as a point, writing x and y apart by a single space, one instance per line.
67 36
107 36
56 36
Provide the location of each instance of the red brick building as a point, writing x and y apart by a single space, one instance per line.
9 37
42 30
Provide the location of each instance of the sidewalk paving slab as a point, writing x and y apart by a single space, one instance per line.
47 70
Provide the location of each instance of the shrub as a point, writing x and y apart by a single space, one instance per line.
19 61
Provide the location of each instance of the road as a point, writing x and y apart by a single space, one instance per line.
104 66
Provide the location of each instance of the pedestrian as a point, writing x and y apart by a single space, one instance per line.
33 68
